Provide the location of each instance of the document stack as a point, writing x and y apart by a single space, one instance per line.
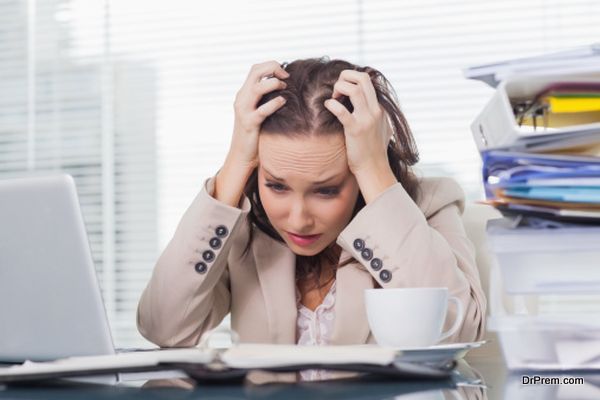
539 139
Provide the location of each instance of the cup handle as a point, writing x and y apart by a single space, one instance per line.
457 321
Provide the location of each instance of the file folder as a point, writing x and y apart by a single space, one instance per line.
556 187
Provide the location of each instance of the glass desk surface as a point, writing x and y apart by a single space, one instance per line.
479 378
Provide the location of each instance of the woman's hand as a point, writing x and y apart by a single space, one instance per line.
262 79
367 132
243 151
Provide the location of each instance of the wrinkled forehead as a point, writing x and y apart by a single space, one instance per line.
305 157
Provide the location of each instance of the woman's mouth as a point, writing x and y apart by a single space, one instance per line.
303 240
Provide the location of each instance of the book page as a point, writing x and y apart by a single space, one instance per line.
112 362
278 355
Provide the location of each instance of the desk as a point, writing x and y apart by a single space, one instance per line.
502 385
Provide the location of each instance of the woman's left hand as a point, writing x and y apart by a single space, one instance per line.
367 129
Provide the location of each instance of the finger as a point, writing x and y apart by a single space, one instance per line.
270 84
364 81
268 69
269 108
340 111
281 73
355 92
252 95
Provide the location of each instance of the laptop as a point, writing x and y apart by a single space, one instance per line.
50 301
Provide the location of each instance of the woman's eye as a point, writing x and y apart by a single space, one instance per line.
277 187
328 191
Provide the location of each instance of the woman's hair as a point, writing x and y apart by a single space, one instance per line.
310 83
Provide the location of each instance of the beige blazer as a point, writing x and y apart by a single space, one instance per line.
420 245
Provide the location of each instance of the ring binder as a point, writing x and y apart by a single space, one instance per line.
541 113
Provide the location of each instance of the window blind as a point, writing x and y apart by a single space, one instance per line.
135 98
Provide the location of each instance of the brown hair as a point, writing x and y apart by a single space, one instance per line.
310 83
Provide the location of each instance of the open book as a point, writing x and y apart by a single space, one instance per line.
435 362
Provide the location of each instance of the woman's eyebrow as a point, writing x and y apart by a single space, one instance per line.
314 183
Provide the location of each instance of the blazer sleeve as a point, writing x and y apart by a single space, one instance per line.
407 249
188 293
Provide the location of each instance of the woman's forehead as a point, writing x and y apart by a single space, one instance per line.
312 155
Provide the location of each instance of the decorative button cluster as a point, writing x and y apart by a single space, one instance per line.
215 243
376 263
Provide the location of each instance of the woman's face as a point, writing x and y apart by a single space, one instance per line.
306 188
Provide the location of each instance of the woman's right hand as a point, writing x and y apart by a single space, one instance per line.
262 79
243 152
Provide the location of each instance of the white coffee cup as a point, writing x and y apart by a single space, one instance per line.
410 317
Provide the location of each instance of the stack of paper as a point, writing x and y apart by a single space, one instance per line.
539 139
580 59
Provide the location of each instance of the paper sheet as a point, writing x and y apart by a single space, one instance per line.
112 362
273 355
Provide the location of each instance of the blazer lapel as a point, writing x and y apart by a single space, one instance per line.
276 264
350 325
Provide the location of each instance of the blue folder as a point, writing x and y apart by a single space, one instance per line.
565 194
513 170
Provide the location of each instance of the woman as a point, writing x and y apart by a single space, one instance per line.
315 203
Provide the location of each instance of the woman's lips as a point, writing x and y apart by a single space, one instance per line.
305 240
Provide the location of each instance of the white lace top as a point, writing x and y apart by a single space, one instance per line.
313 328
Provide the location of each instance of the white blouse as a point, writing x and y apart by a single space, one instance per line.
313 328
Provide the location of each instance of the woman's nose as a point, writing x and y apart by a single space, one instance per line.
301 218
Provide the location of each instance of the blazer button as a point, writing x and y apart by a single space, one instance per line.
376 264
208 256
215 243
366 254
201 267
359 244
221 231
385 275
